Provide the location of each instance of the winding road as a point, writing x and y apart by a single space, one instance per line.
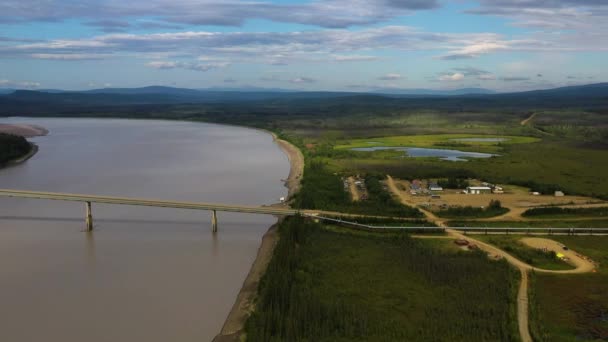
582 265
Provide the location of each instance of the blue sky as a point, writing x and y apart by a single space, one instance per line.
352 45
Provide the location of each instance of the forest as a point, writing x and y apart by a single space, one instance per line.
332 284
12 147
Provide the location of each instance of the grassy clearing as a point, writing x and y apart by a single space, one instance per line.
531 256
557 212
339 285
573 307
531 224
440 141
492 210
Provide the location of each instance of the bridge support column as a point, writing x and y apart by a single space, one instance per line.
214 222
89 218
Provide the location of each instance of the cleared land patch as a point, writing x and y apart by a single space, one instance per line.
573 307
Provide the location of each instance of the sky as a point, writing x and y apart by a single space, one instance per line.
340 45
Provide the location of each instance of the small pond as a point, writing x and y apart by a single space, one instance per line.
451 155
480 139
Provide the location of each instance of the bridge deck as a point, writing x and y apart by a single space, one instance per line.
146 202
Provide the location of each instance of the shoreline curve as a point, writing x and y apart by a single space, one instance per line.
244 305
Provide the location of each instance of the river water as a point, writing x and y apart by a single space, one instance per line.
144 274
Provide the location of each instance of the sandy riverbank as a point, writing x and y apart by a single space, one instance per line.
245 302
296 159
26 131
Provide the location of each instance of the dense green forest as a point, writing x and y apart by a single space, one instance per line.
12 147
337 285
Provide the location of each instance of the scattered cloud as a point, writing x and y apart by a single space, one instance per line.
514 79
487 77
109 26
390 77
19 84
69 56
324 13
452 77
302 80
166 65
353 58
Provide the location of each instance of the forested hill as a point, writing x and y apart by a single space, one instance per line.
22 102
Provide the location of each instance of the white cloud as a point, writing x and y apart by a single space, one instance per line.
19 84
107 14
302 80
452 77
390 77
165 65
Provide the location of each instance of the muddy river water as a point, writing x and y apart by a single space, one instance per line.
144 274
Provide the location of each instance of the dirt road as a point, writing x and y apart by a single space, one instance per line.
354 192
582 265
526 121
399 194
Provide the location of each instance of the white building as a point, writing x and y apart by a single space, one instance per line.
476 190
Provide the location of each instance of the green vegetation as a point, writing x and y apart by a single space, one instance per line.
603 223
342 285
493 209
324 190
12 147
572 307
557 212
453 183
531 256
440 141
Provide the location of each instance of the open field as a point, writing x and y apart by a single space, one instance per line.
532 256
573 307
343 285
574 223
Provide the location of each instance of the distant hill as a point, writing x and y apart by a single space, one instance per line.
6 91
433 92
27 101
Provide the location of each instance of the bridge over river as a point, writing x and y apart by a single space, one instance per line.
269 210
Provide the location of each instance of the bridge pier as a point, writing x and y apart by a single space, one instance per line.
214 222
89 217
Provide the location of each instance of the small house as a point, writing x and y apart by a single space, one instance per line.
476 190
559 194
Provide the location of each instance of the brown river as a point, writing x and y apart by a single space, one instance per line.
144 274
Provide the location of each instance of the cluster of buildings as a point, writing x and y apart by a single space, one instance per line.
417 187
